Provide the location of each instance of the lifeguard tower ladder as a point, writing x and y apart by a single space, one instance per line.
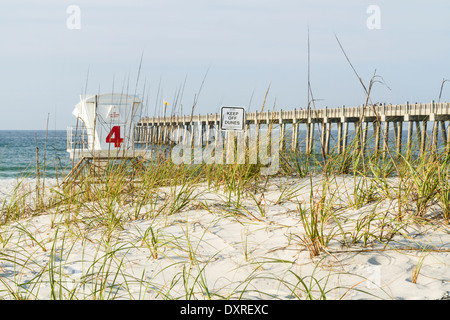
104 132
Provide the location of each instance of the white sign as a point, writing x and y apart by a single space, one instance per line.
232 118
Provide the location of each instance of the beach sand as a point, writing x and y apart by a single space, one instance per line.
213 249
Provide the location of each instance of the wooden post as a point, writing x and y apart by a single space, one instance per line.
217 132
418 135
138 130
357 125
208 131
165 133
179 133
341 143
322 137
308 133
435 136
137 136
186 139
253 143
399 136
147 134
327 139
200 133
409 143
444 133
396 135
345 137
448 140
294 133
324 134
157 129
294 138
198 143
247 142
424 137
386 137
364 137
311 137
144 134
307 143
377 125
339 149
191 140
256 143
152 134
282 129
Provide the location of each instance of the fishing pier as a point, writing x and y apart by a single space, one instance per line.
422 123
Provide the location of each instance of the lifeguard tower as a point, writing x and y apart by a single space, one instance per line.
105 130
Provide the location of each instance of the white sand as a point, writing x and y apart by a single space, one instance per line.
205 250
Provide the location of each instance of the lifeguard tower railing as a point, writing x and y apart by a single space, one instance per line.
77 139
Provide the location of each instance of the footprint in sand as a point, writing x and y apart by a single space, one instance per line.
379 260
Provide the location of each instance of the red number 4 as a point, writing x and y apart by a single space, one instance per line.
114 137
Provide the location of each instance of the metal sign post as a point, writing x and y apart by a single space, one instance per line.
232 122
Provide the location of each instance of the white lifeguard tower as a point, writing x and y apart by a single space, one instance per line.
105 128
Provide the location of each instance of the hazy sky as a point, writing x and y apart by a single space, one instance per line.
242 46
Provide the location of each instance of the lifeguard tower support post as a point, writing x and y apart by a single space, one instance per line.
105 130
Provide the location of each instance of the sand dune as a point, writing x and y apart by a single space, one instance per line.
211 250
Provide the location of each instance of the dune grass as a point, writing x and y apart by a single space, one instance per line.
98 207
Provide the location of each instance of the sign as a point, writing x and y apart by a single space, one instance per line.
232 118
113 114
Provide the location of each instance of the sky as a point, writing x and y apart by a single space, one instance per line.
214 53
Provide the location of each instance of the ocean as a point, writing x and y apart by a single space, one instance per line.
18 154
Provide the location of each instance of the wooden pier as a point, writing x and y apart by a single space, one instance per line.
378 119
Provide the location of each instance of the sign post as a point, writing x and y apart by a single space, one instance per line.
232 121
